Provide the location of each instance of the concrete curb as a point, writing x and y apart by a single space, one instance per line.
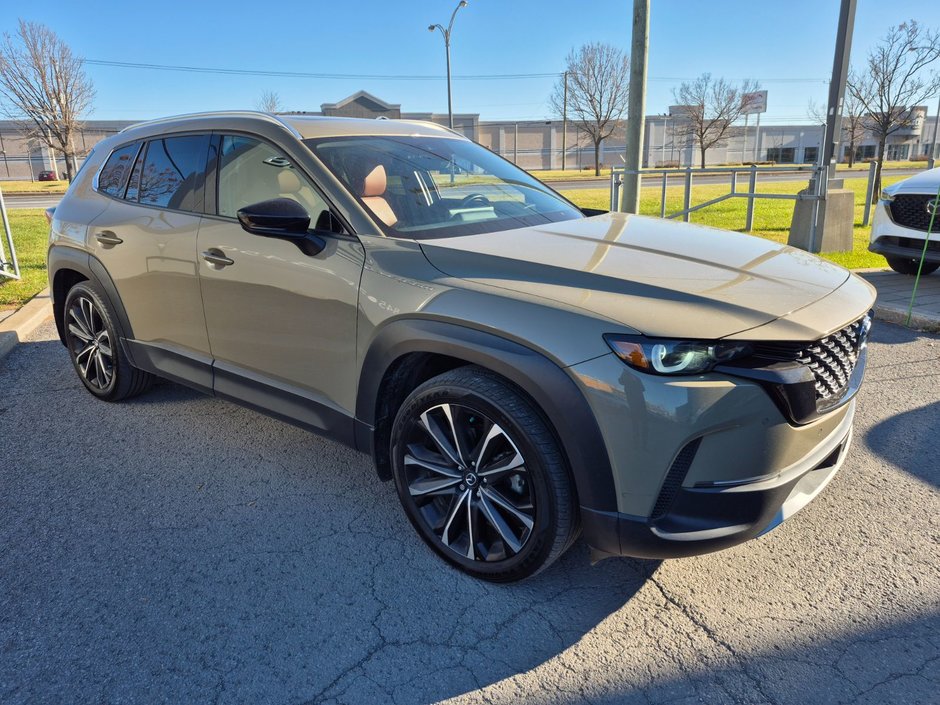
892 313
21 324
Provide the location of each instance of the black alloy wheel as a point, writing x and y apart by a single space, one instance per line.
93 338
481 476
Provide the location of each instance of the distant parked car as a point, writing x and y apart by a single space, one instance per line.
524 371
901 221
47 176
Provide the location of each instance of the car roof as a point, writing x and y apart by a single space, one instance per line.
302 126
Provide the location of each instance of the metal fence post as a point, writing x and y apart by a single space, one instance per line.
868 192
614 191
687 200
662 201
751 187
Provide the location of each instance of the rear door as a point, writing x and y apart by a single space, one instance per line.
282 323
146 239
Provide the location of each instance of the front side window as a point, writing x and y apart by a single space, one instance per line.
172 172
424 187
251 171
113 175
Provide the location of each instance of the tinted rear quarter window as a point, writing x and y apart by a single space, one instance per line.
172 172
113 175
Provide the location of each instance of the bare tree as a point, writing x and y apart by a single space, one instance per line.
892 82
270 102
710 106
854 122
598 84
44 87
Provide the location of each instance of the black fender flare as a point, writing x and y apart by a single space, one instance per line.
90 267
547 384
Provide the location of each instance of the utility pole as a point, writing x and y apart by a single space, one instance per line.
630 201
564 124
833 134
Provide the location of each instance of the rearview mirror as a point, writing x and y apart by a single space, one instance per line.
281 218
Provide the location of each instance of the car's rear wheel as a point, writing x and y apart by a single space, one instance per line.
93 339
482 477
909 265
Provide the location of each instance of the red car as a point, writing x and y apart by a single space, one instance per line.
47 176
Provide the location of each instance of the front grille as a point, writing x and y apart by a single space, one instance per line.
910 211
831 359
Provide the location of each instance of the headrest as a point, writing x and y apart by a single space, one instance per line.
375 182
287 181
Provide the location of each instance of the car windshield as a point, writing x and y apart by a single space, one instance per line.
428 187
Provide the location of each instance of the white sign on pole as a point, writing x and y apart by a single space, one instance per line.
755 102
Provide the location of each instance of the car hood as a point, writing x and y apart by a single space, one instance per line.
658 277
927 181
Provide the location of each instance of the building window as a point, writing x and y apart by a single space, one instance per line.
810 155
781 155
897 152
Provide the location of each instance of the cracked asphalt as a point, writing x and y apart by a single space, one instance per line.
180 549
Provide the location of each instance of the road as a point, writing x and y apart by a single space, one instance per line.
181 549
16 201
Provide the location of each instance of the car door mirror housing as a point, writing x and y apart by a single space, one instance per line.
281 218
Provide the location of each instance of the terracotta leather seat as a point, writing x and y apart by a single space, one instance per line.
373 195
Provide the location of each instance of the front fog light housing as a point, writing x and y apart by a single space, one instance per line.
674 357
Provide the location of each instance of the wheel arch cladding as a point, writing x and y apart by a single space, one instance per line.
67 267
405 353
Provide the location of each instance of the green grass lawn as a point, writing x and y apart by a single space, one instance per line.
30 235
33 186
771 217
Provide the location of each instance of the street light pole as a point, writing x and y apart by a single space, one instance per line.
447 33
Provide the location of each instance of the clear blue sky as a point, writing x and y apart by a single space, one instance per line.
766 40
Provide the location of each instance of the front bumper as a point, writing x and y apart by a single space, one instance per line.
893 240
701 464
709 518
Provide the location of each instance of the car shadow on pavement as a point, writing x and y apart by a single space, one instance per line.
897 440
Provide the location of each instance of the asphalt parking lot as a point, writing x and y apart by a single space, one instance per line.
180 549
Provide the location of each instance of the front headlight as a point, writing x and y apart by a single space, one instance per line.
887 197
674 357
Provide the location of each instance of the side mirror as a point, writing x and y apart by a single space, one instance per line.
277 217
281 218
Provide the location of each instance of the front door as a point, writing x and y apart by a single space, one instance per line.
282 324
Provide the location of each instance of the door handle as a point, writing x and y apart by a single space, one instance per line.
216 257
106 237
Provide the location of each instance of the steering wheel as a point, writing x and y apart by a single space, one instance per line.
479 198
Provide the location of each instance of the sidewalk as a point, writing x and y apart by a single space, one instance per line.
894 297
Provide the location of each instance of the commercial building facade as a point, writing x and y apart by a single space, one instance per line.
542 144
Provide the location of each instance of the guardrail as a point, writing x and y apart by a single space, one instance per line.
9 269
688 174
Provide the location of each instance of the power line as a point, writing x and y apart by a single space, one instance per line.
384 77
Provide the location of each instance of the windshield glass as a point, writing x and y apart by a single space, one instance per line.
426 187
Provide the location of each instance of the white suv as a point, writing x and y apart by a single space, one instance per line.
902 219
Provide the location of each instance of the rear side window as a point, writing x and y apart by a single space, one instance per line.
173 171
113 175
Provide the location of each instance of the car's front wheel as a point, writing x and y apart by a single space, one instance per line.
909 265
482 477
93 339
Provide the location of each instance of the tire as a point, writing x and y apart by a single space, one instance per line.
92 336
908 265
498 503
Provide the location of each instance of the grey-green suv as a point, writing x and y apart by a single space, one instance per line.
523 370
